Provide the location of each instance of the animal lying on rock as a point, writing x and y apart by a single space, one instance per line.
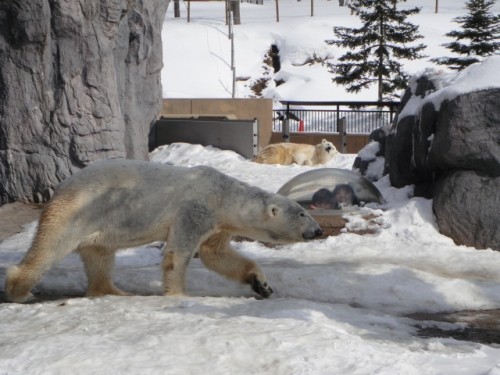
125 203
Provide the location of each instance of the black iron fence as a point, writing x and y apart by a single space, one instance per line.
330 117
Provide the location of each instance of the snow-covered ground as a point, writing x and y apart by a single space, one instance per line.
341 304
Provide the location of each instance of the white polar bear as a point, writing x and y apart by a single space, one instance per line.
299 153
125 203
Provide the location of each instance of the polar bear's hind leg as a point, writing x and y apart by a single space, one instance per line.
45 251
99 263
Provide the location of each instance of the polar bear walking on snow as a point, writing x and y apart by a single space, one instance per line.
301 154
124 203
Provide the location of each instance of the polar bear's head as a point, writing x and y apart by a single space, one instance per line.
325 151
281 221
328 147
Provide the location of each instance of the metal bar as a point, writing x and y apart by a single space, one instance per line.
343 103
286 127
342 126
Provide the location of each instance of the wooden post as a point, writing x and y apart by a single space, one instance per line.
277 11
436 6
189 11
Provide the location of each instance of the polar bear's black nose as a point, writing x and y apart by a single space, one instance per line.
312 235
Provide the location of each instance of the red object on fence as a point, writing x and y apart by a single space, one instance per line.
301 125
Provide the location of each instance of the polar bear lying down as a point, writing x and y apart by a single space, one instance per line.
299 153
125 203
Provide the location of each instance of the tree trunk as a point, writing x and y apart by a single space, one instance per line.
381 62
177 9
235 6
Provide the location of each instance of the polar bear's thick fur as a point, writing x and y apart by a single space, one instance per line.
302 154
124 203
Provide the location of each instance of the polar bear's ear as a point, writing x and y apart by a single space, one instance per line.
324 140
272 210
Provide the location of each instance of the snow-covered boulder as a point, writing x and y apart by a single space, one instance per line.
445 140
370 160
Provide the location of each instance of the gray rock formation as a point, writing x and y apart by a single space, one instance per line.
466 207
408 133
468 133
451 154
79 82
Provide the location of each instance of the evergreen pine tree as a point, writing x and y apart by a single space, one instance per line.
479 37
376 48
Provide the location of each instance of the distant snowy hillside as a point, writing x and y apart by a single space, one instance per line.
197 55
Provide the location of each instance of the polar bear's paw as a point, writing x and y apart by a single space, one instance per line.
262 288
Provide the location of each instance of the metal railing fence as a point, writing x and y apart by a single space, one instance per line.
324 117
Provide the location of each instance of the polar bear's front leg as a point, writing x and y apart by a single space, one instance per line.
217 255
99 262
301 160
191 227
174 272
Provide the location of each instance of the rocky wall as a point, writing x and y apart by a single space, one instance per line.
79 82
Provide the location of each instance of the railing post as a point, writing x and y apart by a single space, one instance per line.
392 110
286 124
338 116
342 126
286 130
